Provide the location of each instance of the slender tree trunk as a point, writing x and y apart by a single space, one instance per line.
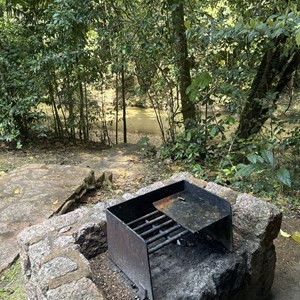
86 112
172 109
158 116
117 108
61 105
71 117
124 105
182 61
82 125
57 121
54 118
81 112
105 134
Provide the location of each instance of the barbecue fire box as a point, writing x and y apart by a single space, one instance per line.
139 228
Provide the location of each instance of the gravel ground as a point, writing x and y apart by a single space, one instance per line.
286 284
109 281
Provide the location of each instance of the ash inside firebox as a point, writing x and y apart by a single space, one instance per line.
193 268
181 271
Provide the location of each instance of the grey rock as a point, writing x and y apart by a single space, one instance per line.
83 289
33 193
33 292
58 267
128 196
202 271
187 177
102 206
64 241
8 253
54 269
260 262
59 222
222 191
32 235
181 176
258 222
35 233
256 219
36 253
150 188
98 213
65 229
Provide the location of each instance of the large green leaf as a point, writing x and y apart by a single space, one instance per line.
298 38
254 158
200 82
284 176
188 136
268 158
297 35
247 170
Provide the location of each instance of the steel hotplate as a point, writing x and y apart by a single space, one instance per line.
193 209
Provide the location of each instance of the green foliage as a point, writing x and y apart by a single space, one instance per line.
189 146
144 141
264 171
297 35
193 145
291 140
11 286
198 171
199 83
20 91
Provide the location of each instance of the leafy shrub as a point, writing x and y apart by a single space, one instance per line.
264 172
190 145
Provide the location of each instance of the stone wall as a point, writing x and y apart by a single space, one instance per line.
54 254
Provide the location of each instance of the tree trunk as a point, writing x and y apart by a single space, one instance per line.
58 95
117 108
274 73
124 105
86 112
182 61
71 117
57 122
81 112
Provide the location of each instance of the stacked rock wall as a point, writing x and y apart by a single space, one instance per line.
54 254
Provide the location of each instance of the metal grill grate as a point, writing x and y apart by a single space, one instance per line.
138 228
157 229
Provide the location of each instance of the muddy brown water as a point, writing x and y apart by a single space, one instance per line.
142 122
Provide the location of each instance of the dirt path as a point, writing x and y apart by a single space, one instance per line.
287 276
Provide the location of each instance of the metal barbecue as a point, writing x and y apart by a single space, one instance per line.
139 227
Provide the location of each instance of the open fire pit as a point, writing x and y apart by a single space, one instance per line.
172 221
